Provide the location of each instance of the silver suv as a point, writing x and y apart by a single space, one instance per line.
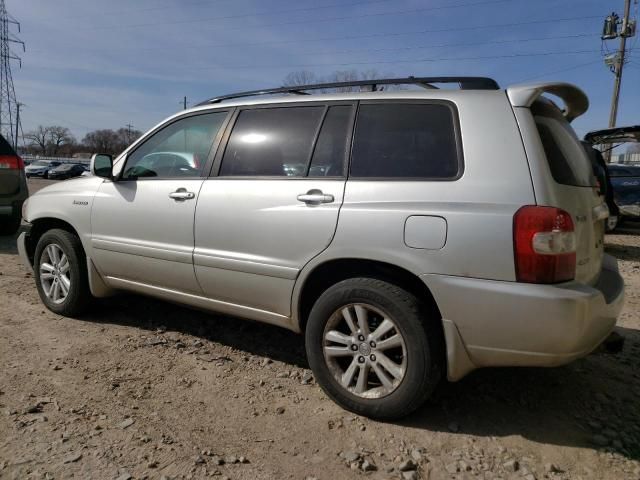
409 234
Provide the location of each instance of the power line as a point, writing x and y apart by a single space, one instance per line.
394 62
331 19
403 33
148 9
257 14
553 72
443 45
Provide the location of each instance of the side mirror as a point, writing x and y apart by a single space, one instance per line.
102 165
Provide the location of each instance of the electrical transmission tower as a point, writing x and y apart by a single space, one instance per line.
9 107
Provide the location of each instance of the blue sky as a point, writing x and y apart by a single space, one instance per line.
104 64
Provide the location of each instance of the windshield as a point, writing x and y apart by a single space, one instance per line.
39 164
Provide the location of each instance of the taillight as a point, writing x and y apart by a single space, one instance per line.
544 245
11 162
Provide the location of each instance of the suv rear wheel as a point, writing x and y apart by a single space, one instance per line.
371 349
60 268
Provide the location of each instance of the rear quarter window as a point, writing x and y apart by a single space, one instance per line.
406 140
567 159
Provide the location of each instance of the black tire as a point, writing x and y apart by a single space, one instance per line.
45 175
9 226
415 323
79 294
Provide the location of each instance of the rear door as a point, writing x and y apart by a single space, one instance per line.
272 204
574 186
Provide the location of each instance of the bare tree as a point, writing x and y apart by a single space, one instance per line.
39 138
59 136
102 141
345 76
127 136
301 77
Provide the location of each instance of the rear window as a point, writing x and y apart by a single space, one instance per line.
402 140
568 161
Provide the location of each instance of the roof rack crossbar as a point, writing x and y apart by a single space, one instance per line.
465 83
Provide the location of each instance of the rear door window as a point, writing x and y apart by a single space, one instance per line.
568 161
404 140
330 150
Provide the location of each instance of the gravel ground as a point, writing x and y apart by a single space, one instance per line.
139 388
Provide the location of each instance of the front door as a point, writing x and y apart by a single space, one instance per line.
142 224
273 206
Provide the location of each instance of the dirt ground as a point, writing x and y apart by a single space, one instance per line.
139 389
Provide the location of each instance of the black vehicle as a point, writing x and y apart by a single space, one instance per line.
67 170
13 188
626 189
622 181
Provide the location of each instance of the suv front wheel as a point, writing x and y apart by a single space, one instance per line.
60 268
371 349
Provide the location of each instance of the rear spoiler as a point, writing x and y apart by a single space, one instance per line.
575 100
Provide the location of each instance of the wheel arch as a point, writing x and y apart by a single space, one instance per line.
40 226
454 356
328 273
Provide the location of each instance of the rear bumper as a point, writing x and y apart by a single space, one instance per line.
12 206
517 324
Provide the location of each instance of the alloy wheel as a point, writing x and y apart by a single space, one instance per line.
365 350
54 270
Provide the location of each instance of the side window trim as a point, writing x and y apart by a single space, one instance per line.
210 156
214 172
457 135
314 143
348 145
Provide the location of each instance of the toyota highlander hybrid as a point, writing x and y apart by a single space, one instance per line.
410 235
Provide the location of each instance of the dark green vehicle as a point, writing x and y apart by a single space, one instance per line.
13 188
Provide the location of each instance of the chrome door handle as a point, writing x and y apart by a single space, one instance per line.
315 197
182 194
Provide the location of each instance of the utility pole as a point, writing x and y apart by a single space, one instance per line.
619 65
184 103
18 105
616 61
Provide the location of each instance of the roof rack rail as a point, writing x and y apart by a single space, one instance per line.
465 83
